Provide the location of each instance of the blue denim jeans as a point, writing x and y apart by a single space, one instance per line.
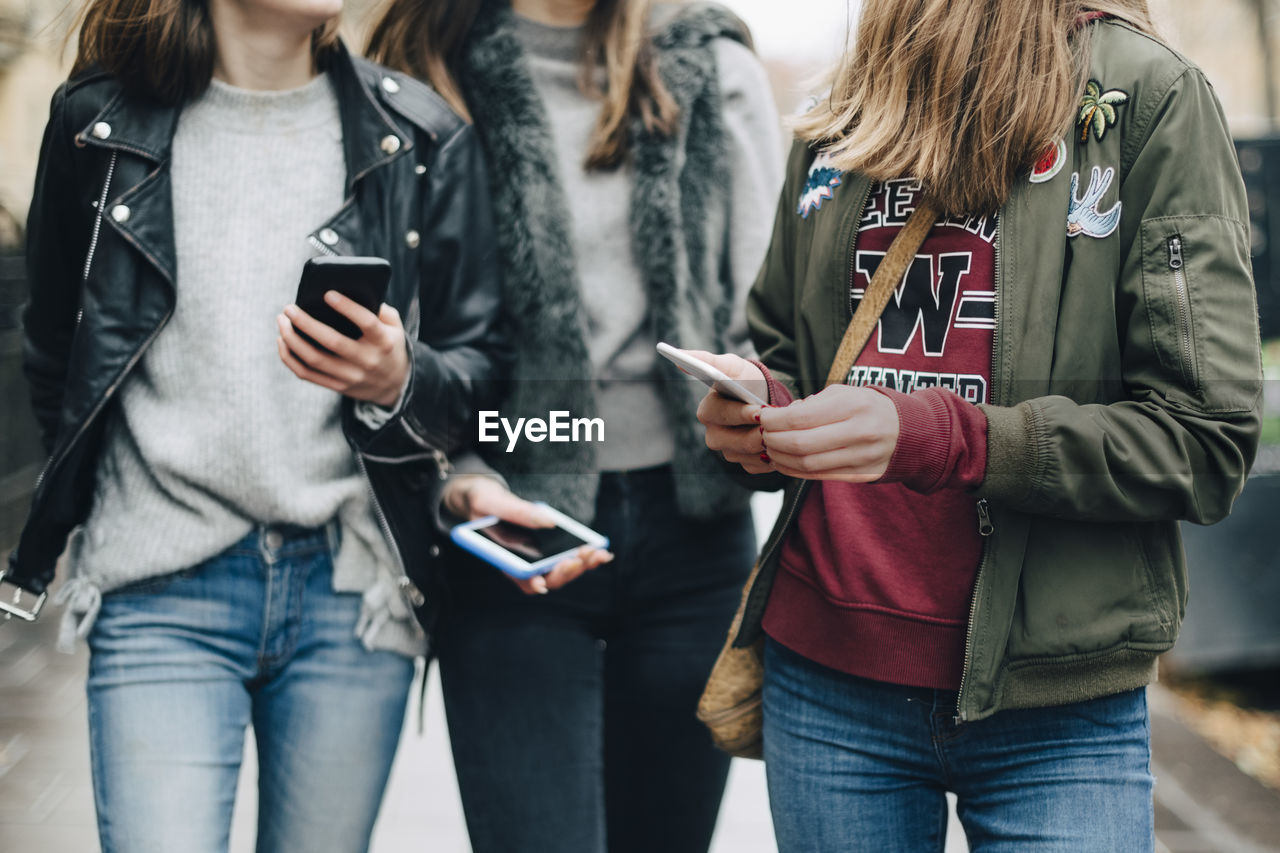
182 664
859 765
571 714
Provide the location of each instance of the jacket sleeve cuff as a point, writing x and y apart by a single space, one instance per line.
942 441
1012 443
779 394
465 465
470 464
374 416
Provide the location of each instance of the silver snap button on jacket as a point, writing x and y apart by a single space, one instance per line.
120 213
411 239
101 130
390 144
328 236
390 86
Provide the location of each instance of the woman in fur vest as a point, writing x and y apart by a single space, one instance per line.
635 159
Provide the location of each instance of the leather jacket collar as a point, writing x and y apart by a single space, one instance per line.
145 127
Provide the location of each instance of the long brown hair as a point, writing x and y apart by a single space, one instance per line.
962 96
428 38
162 49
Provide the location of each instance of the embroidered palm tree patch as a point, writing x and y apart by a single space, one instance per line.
1098 110
820 185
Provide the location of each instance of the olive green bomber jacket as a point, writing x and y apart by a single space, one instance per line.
1125 376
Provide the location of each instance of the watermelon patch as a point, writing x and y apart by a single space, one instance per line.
1050 163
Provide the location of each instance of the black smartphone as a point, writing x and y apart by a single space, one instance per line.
362 280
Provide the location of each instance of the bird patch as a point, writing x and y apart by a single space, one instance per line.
1083 216
1098 110
819 186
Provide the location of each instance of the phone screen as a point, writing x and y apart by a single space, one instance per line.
530 544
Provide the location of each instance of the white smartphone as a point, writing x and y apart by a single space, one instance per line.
709 375
523 552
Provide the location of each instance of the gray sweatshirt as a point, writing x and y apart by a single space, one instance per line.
213 434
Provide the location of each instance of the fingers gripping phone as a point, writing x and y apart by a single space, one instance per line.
523 552
709 375
362 280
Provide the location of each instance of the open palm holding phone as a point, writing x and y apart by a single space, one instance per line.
477 496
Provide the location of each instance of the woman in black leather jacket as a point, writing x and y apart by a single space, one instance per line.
249 545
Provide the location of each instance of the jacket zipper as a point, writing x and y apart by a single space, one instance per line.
786 523
853 247
1183 298
97 232
84 278
443 466
985 526
442 463
324 250
407 587
779 533
790 509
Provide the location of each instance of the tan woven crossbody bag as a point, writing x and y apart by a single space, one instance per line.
731 702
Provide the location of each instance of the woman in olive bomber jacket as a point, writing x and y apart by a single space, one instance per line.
1122 398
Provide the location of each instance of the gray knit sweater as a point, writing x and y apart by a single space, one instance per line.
213 434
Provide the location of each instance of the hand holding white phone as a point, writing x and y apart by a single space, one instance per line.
710 375
476 496
524 552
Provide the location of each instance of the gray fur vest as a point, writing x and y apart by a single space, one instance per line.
677 181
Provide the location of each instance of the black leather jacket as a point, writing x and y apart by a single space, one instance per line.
102 287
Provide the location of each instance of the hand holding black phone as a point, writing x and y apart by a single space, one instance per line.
361 279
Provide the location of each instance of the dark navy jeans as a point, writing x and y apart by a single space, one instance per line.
571 714
859 765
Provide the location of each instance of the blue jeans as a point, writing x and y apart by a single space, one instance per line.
183 663
571 714
859 765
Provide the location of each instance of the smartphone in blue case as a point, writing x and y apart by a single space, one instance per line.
523 552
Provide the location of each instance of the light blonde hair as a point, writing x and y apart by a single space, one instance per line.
964 96
427 38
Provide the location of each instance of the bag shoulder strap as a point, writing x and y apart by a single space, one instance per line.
885 281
